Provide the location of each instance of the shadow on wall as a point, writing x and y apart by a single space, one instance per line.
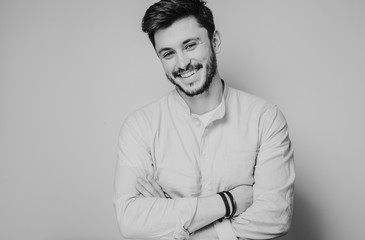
306 223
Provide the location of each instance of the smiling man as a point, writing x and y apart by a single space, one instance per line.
206 161
187 56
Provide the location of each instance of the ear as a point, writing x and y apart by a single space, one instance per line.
216 41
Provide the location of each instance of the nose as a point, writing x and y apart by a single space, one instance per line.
182 61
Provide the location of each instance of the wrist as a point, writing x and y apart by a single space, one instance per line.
229 204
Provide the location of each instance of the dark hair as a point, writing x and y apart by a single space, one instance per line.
165 12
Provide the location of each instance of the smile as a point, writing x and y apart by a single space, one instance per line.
188 73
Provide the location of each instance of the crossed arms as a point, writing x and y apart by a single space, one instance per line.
209 208
264 209
147 213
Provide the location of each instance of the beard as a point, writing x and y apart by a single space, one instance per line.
211 69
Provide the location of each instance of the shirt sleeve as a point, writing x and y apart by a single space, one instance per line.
224 230
270 214
140 217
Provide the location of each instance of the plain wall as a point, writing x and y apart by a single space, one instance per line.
71 71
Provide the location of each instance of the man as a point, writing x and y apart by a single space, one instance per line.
206 161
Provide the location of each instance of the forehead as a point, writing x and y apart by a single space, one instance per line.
178 32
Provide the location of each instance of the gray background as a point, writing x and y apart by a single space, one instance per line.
70 72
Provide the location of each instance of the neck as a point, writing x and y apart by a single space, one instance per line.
206 101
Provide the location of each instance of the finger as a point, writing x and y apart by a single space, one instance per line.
140 188
156 186
148 187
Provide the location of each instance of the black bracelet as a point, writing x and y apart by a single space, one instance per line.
230 205
234 204
225 204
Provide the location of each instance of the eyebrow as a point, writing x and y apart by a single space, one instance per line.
191 39
183 43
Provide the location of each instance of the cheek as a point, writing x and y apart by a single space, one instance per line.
204 53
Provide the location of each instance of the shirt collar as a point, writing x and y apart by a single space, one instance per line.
220 112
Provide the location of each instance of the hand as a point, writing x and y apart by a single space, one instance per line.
150 188
243 196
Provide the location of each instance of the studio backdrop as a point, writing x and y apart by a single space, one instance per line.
71 71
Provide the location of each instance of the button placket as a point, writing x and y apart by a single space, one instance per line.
205 163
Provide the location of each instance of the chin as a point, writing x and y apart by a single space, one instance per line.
195 89
194 86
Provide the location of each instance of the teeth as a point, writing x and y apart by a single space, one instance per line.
188 74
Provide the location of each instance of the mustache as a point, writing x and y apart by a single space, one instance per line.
189 67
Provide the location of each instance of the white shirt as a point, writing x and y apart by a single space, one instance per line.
245 142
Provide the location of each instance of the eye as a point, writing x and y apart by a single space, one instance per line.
167 55
190 46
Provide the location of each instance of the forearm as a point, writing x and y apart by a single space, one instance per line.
209 209
206 233
271 212
159 218
138 211
154 218
268 217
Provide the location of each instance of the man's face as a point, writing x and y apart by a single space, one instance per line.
187 55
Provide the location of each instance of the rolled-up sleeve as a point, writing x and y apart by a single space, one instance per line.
270 214
145 217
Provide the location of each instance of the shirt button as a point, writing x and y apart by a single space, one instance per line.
206 186
197 123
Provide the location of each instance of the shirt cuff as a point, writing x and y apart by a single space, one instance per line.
224 230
